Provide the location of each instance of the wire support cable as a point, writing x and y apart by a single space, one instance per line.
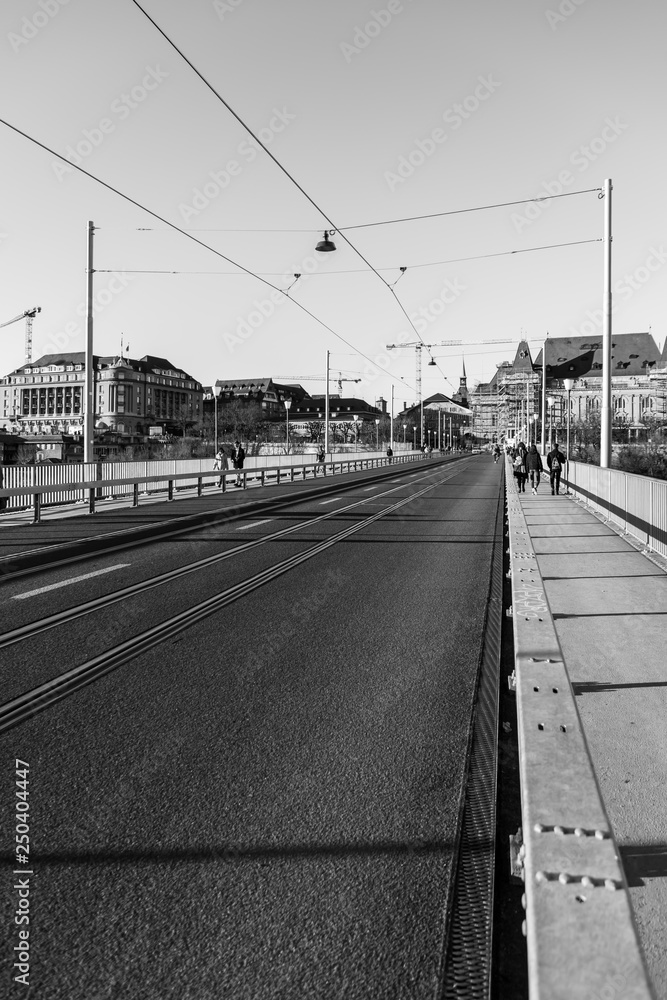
173 226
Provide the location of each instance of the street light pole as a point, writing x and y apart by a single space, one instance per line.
605 414
326 410
551 401
405 427
355 418
569 385
377 434
288 403
217 389
89 375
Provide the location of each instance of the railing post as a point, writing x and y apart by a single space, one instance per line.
37 508
261 478
91 501
291 473
199 485
170 489
244 479
135 494
223 477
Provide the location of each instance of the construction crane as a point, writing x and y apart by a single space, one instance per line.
29 316
419 345
317 378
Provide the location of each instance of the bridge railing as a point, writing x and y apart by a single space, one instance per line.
581 935
35 486
635 504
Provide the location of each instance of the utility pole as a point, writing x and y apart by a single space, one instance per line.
89 393
326 410
605 413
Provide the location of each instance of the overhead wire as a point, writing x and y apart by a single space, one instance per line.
280 166
363 270
305 194
172 225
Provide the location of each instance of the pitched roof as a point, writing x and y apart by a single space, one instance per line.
574 357
522 359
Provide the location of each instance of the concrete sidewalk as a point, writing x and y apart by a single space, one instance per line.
609 605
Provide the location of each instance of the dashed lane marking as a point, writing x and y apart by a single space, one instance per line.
66 583
332 500
254 524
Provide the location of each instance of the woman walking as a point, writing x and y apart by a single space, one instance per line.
534 467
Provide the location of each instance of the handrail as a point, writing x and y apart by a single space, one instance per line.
281 471
637 505
582 940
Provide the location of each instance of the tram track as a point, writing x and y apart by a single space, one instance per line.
26 705
59 618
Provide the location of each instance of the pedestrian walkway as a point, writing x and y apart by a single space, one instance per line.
609 605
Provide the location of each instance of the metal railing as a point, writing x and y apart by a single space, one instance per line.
35 486
581 935
635 504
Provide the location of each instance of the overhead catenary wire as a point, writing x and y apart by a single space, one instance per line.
305 194
363 270
173 226
280 166
413 218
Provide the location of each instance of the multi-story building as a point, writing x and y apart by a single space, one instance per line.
638 385
510 404
47 396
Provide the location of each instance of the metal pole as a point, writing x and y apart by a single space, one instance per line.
544 396
215 443
89 392
287 430
605 413
391 425
326 410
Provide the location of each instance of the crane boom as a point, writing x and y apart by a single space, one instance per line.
29 316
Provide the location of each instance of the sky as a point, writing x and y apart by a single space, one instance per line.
377 112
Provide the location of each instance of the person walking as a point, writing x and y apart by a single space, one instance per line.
239 458
555 461
496 452
518 471
523 451
221 463
534 467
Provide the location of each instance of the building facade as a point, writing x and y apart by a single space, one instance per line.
131 396
510 405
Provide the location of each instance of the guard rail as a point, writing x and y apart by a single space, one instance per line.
635 504
581 935
95 487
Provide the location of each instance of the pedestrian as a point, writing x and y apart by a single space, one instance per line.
523 451
496 452
555 461
221 463
238 460
320 459
534 467
518 469
389 454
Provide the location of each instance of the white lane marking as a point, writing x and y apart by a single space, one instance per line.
333 500
367 488
66 583
254 524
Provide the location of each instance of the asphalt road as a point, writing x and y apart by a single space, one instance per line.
266 803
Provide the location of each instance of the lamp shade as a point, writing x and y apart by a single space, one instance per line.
326 245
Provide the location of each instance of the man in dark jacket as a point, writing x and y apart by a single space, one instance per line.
534 467
556 462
